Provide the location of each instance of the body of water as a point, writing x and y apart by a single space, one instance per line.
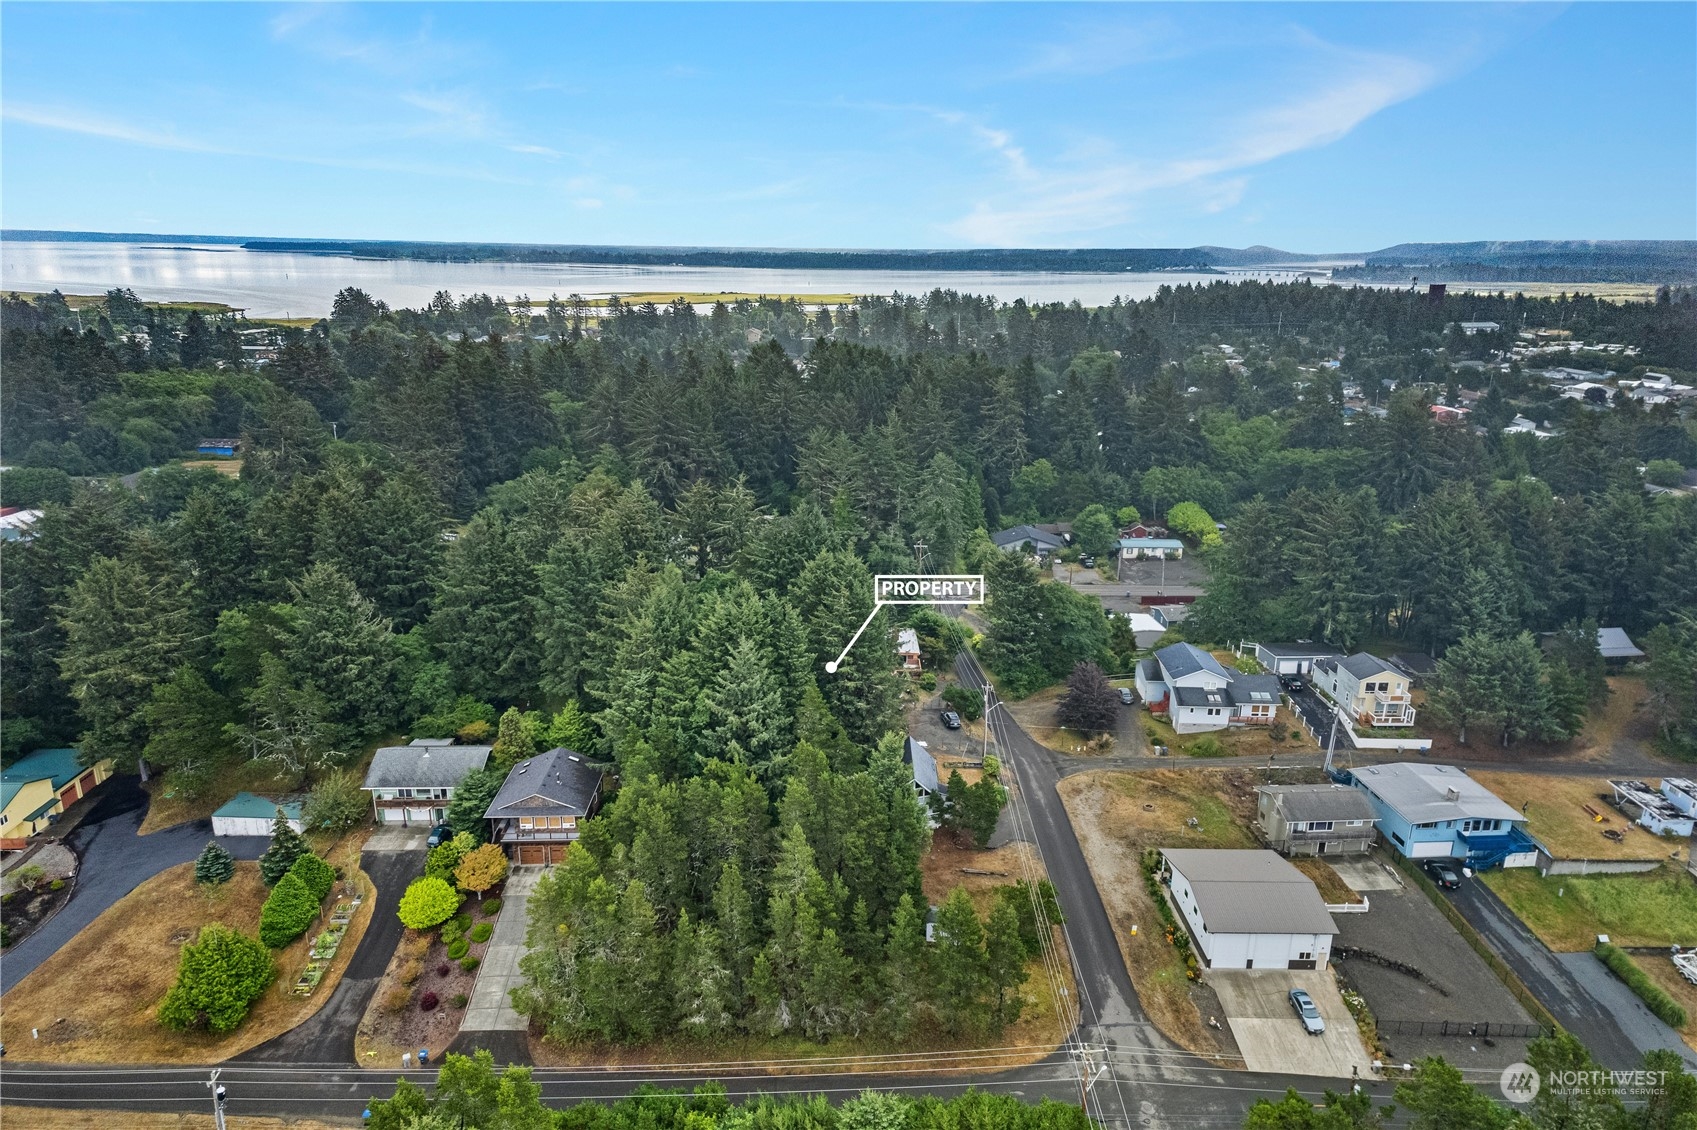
286 285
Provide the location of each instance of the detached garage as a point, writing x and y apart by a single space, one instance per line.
1249 909
250 815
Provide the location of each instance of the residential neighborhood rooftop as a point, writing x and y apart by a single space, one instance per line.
1614 643
1181 659
1361 665
555 783
1251 891
424 766
252 806
1320 802
1423 794
59 764
918 755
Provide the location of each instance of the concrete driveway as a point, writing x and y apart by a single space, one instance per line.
115 861
491 1006
1257 1006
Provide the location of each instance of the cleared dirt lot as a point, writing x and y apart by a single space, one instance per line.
1454 984
1257 1005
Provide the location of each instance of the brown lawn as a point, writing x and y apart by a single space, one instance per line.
167 809
1032 1038
1556 816
53 1118
95 1000
1661 970
1332 887
1116 816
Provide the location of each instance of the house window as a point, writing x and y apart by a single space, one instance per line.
1320 826
1298 826
1305 955
524 823
1213 711
404 794
1356 823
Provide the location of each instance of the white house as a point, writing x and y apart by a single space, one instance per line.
1134 549
1249 909
1681 793
1369 690
907 648
1471 328
1652 809
1198 694
412 784
1520 425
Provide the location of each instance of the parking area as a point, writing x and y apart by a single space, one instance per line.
1419 976
398 837
1269 1034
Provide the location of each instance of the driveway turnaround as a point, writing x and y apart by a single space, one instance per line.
491 1006
115 861
1271 1038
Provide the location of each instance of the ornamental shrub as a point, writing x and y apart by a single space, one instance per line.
429 1001
219 976
489 908
396 1000
288 911
428 902
446 856
469 963
318 876
480 932
457 950
481 868
460 1000
214 865
443 969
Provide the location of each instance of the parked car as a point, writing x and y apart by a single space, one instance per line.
1126 696
1087 561
951 719
439 835
1444 874
1312 1022
1292 684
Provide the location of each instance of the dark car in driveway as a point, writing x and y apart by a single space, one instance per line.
1292 684
951 719
1444 874
439 835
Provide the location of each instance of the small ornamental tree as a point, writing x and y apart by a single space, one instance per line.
219 976
445 857
289 909
214 865
481 869
428 902
1091 704
335 804
318 876
286 847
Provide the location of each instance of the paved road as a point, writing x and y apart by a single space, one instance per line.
328 1036
115 860
1580 1008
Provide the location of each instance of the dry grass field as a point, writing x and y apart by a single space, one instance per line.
1332 888
1662 972
1556 816
95 1000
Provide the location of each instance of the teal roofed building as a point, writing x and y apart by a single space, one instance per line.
246 814
37 788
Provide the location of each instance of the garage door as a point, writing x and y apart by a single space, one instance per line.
69 796
86 783
533 853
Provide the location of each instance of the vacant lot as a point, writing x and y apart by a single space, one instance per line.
1116 816
1662 972
52 1118
95 1000
167 808
1331 885
1556 816
1567 912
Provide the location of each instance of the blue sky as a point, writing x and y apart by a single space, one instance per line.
1330 127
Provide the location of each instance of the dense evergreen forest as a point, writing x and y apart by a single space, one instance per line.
640 531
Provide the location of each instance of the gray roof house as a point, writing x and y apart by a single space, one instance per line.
1616 645
538 812
412 784
1290 658
1315 819
1040 542
924 767
1199 693
1249 909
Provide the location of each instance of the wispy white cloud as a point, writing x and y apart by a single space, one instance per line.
535 150
1096 48
93 125
1078 196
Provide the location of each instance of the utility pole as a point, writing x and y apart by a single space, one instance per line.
219 1097
1332 741
919 548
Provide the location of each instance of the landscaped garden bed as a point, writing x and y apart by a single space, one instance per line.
423 994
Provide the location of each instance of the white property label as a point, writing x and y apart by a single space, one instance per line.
905 588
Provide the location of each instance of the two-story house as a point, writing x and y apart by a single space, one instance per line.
1369 690
1439 812
412 784
1199 694
1315 819
542 805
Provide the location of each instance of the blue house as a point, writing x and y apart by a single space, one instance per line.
219 446
1439 812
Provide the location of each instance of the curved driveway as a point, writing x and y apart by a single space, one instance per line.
114 860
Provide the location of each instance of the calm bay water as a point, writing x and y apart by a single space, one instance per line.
272 285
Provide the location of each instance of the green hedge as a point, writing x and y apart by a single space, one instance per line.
289 909
1620 963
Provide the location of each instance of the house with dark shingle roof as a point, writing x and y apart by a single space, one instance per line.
412 784
1029 539
1249 909
1315 819
542 804
1200 694
1369 690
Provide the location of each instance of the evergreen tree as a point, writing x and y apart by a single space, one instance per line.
1090 704
286 846
701 980
960 977
188 734
906 973
214 864
1004 954
1466 690
342 648
484 616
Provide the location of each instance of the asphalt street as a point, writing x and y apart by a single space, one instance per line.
115 860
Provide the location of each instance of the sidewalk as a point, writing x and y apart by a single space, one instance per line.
491 1006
